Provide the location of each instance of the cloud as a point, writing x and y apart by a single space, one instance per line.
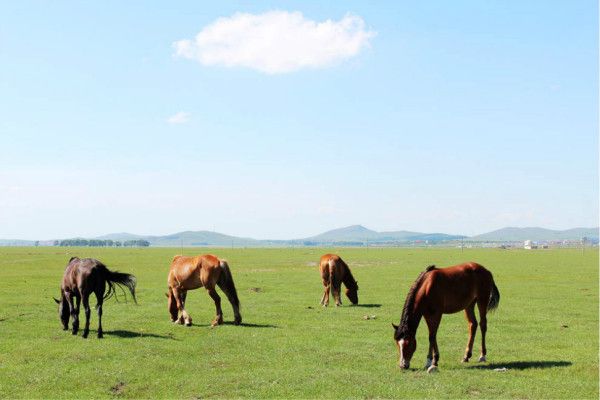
276 42
179 118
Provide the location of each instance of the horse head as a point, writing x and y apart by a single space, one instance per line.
63 311
406 344
352 293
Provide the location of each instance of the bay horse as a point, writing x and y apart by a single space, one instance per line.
208 271
445 291
334 271
82 277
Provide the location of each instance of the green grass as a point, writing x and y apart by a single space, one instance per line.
545 330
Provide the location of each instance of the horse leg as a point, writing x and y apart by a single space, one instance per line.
433 323
86 308
180 296
100 300
217 299
69 299
482 305
229 292
325 297
337 286
470 316
75 312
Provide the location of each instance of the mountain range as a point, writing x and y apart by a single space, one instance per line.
355 235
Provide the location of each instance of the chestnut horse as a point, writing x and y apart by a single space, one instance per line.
188 273
445 291
334 271
82 277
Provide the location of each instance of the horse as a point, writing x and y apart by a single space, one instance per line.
82 277
445 291
208 271
334 271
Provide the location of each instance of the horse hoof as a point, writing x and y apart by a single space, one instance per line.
482 359
85 335
188 323
237 322
465 360
100 336
433 369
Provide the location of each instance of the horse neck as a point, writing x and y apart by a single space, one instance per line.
348 280
412 314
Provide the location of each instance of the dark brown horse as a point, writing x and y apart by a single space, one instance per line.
445 291
82 277
188 273
334 271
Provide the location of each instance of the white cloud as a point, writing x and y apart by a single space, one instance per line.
179 118
276 42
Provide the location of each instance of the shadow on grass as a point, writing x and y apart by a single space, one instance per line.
520 365
136 335
247 325
367 305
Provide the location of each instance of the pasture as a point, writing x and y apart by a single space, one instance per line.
545 331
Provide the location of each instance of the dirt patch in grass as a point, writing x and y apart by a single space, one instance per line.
118 389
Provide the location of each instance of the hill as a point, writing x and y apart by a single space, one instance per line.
358 233
536 234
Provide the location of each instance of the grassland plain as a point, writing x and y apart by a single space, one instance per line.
545 331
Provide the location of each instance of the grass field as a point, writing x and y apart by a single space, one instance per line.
545 331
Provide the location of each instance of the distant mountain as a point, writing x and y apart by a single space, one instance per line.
121 236
16 242
358 233
200 238
354 235
186 238
536 234
353 232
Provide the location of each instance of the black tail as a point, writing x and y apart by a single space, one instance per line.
226 284
120 279
494 297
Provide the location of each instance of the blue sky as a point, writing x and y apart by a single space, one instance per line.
456 117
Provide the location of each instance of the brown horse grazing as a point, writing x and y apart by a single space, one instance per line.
82 277
188 273
334 271
445 291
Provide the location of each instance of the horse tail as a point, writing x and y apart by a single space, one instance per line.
494 297
120 279
226 284
333 278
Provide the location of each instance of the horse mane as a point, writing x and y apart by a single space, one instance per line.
403 328
349 280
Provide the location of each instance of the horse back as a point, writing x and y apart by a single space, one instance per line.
330 261
456 287
82 272
192 272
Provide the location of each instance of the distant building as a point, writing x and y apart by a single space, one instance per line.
528 244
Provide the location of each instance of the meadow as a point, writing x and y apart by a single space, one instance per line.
543 337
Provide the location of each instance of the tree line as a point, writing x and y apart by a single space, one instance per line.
102 243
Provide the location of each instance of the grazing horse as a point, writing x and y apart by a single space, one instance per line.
445 291
82 277
188 273
334 271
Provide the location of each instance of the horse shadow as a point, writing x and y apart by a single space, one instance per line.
367 305
522 365
249 325
136 335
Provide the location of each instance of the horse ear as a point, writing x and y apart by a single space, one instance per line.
395 326
56 300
